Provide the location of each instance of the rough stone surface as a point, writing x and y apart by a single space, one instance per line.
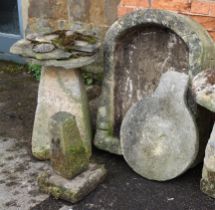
207 184
203 86
158 136
24 48
69 156
66 64
193 36
72 190
43 48
140 65
60 90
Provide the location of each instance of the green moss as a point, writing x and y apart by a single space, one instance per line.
67 42
42 154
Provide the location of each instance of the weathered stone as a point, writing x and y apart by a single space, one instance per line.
60 90
85 47
69 156
24 48
66 64
43 48
72 190
159 138
32 37
204 89
135 60
207 184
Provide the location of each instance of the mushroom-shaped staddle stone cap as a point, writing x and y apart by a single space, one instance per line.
66 49
203 86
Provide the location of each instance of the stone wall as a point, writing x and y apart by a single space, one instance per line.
202 11
47 15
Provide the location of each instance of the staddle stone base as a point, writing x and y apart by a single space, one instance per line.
60 90
75 189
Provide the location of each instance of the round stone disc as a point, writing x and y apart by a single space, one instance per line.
159 139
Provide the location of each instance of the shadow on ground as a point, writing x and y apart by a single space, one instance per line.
123 189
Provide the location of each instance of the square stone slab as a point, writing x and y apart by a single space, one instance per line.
75 189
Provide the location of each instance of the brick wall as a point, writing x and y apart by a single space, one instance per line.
202 11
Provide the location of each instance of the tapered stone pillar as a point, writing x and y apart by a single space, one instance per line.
59 90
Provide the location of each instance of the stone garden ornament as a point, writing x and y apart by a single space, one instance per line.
61 54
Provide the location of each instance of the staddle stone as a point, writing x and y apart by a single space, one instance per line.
68 153
158 135
207 183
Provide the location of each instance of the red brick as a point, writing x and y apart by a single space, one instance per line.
173 5
212 9
206 21
129 2
212 35
122 10
143 3
200 7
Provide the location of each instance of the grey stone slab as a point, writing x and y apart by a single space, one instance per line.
59 90
75 189
203 87
207 184
69 153
159 138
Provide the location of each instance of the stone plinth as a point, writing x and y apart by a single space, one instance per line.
72 190
159 138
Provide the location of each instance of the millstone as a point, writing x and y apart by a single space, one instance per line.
158 135
207 184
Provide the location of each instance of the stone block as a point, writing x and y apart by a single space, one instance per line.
69 156
159 138
72 190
